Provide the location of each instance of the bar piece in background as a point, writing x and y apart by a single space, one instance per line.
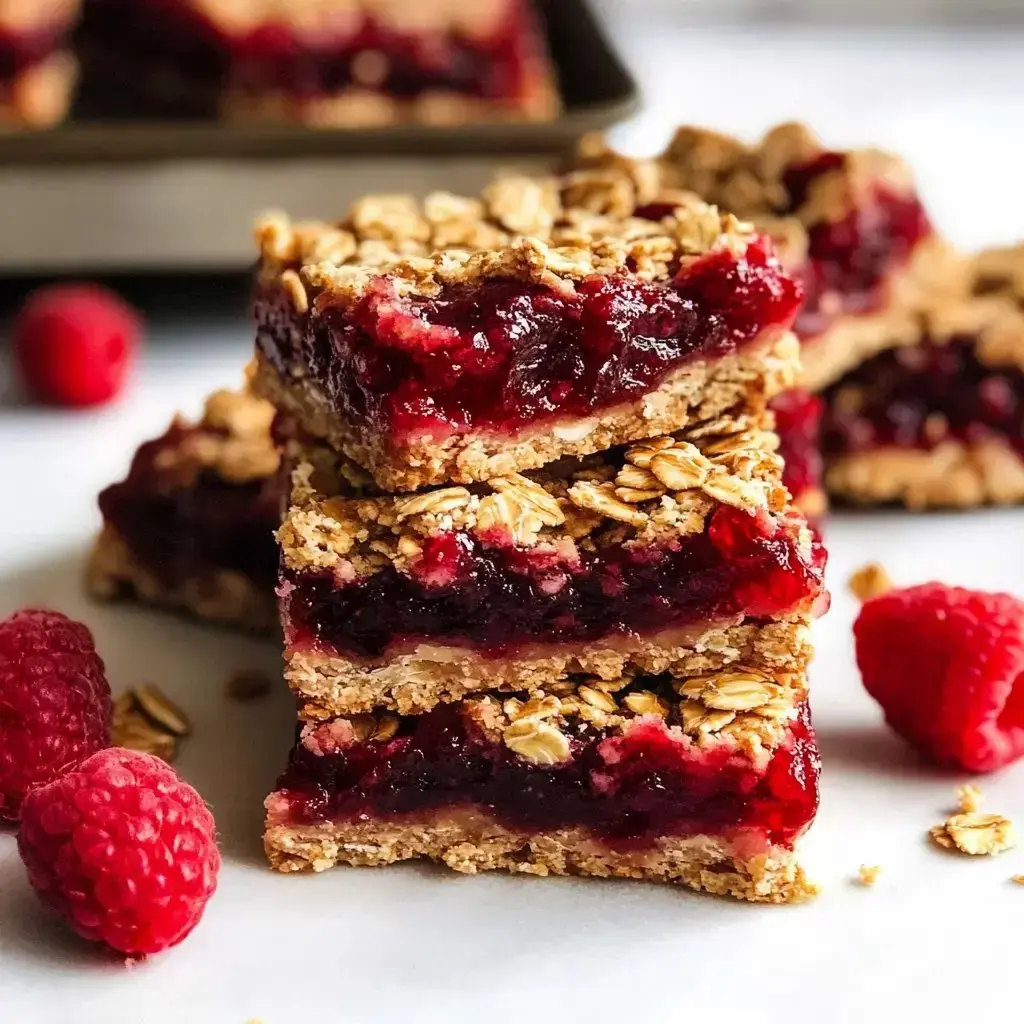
191 528
332 63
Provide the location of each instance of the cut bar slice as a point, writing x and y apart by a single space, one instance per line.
706 781
37 75
534 329
192 526
664 555
334 63
849 226
939 421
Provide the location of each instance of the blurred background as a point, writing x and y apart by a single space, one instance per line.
160 205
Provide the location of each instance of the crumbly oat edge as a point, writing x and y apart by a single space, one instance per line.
327 685
218 596
711 864
696 391
934 271
953 474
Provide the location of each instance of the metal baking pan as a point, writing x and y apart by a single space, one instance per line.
181 196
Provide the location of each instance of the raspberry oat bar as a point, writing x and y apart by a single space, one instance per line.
938 418
849 225
320 62
706 780
459 340
679 553
192 525
37 74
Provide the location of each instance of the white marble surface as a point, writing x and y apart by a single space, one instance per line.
937 939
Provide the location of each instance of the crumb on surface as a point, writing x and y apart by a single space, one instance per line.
1018 879
248 685
975 834
870 581
969 798
867 874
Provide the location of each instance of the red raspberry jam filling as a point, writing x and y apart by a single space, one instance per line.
496 598
915 397
499 355
798 424
628 789
850 260
179 532
274 57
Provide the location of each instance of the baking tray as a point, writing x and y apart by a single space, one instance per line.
181 196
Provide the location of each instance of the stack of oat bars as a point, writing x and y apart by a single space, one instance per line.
546 601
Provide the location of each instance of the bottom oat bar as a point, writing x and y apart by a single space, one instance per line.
192 525
706 781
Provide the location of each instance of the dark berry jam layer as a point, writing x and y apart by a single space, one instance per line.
20 50
180 532
850 260
798 424
499 355
915 397
497 598
628 789
174 42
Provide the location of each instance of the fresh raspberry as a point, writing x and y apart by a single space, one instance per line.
54 702
122 848
947 666
75 344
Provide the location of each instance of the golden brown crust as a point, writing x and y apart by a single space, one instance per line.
40 96
417 679
219 595
699 390
953 474
472 843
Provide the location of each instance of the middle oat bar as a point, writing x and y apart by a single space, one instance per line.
458 340
676 554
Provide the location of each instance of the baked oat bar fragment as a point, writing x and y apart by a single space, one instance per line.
192 525
458 340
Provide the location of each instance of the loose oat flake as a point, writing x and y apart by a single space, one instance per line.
975 834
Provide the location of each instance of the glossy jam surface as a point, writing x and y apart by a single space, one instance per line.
628 789
497 598
499 355
915 397
850 260
206 57
179 532
798 424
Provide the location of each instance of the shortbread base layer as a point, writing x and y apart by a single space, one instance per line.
697 391
220 596
953 474
429 674
474 843
934 268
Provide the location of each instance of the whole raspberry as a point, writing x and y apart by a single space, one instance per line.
123 849
75 344
54 702
947 666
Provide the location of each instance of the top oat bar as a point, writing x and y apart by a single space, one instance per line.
848 225
462 339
